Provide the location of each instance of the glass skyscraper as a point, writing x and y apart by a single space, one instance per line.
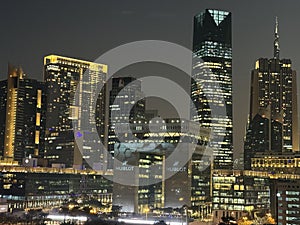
211 86
123 107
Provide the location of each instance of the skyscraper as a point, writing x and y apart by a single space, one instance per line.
123 107
161 183
211 86
62 76
273 106
3 97
23 115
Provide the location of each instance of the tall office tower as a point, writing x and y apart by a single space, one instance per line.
3 97
123 107
211 88
273 106
62 76
23 116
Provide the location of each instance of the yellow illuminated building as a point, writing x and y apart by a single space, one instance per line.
23 116
66 78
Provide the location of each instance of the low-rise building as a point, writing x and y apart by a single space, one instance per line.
28 187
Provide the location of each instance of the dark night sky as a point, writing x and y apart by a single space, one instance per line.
86 29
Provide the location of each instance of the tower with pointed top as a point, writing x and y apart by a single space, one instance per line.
273 120
276 40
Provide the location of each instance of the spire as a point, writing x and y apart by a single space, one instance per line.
276 41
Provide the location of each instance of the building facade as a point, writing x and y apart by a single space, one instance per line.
22 107
262 133
71 85
3 100
211 87
124 107
287 202
25 188
160 183
285 163
237 193
273 118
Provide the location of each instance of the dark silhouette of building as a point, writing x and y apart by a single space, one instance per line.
257 138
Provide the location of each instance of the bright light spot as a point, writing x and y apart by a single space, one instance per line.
65 217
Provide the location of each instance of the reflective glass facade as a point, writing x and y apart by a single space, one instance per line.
211 86
124 107
189 184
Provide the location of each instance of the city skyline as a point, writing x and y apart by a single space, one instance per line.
40 40
149 130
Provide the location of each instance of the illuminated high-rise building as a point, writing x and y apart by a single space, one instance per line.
3 97
123 107
62 76
22 114
273 106
211 87
161 183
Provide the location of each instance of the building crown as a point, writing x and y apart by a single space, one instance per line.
276 41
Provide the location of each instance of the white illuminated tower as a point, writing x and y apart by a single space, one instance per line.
211 86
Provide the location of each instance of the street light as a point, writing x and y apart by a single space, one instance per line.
146 210
185 207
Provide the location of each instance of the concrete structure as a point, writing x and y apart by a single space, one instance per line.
28 187
63 76
273 118
286 202
22 108
236 193
287 163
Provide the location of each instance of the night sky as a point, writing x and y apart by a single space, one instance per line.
86 29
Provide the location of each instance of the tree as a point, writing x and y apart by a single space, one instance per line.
244 221
270 220
267 219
